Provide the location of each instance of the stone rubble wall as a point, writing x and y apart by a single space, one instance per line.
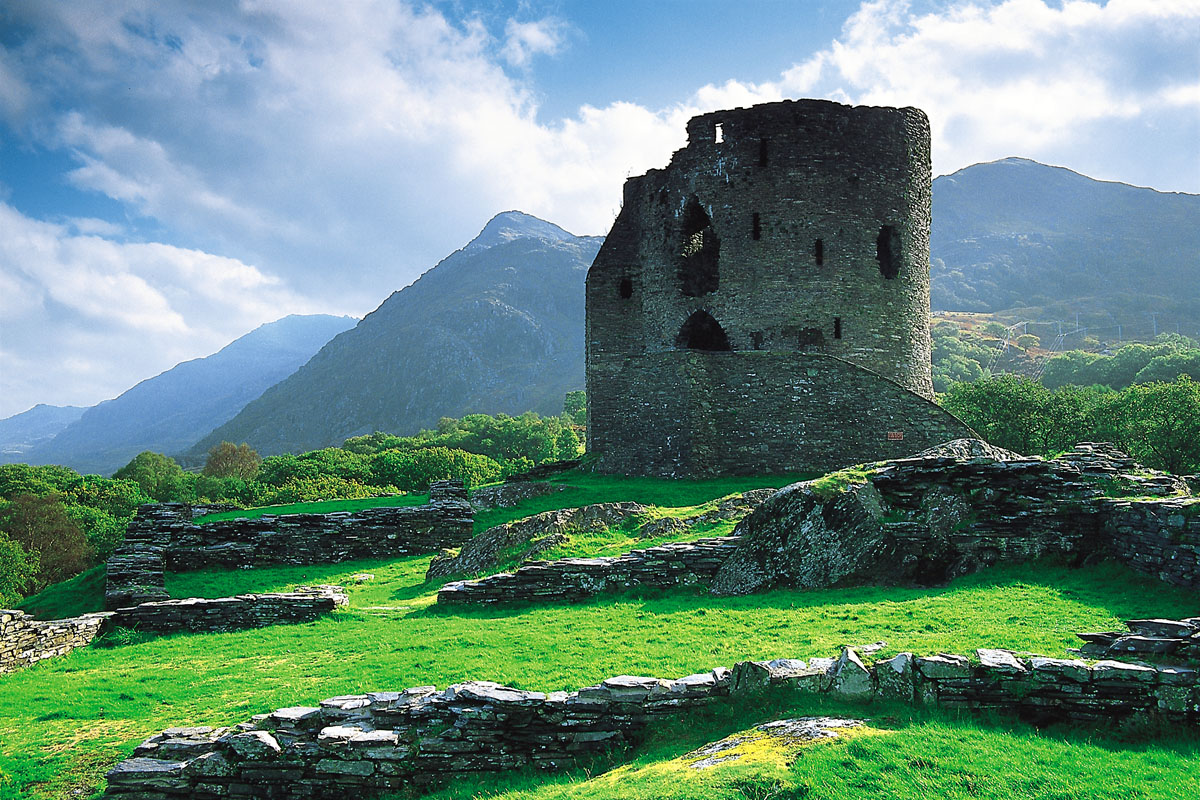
922 520
1160 537
358 745
1179 638
163 537
25 641
222 614
572 579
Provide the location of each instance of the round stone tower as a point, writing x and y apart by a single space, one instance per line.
799 229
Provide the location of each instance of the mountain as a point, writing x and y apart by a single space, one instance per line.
496 327
169 412
1039 240
21 432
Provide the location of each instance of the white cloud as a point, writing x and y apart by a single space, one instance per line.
348 146
86 318
1018 77
524 40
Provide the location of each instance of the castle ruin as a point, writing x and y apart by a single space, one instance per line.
761 305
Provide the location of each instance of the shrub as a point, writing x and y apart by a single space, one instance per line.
18 569
415 470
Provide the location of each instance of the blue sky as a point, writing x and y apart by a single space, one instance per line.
173 174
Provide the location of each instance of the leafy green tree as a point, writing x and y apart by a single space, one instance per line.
158 476
41 525
18 569
229 460
1007 410
1161 424
1170 366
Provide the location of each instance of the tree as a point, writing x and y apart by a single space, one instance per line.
41 525
160 477
229 460
1007 410
18 568
1161 424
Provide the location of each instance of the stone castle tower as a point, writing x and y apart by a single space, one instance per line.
762 304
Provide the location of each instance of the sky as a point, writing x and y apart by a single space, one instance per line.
174 174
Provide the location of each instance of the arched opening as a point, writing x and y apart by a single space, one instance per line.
701 250
887 251
702 332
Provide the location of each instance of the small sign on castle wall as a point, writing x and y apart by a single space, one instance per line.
895 436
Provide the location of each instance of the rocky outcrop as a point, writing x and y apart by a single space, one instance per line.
25 641
526 537
360 745
958 508
221 614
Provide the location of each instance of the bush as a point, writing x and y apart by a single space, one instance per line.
158 476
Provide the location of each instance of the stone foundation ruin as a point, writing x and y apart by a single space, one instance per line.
761 305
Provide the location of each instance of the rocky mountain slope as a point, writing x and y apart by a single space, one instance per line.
1016 233
22 432
169 412
495 327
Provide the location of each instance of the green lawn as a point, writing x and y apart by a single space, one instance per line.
65 721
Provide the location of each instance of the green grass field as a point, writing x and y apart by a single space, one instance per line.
64 722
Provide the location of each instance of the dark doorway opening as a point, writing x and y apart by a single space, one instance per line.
702 332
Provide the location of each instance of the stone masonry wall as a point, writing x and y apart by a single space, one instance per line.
163 537
25 641
1158 537
686 412
359 745
220 614
573 579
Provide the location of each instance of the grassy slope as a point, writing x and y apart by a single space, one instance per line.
63 722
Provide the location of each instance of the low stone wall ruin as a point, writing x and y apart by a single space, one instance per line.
358 745
25 641
164 537
922 520
573 579
221 614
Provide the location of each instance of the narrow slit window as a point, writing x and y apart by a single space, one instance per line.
756 226
718 133
837 327
819 252
626 288
762 152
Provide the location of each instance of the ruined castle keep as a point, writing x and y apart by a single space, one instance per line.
762 304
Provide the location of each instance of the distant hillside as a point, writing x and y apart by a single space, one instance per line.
495 327
21 432
1016 234
169 412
